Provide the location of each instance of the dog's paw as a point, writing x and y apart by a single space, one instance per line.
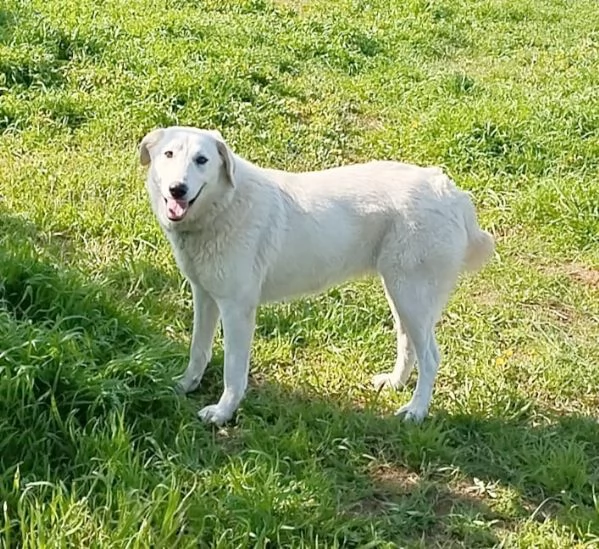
215 414
381 381
187 384
412 412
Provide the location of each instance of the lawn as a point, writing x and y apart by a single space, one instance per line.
97 450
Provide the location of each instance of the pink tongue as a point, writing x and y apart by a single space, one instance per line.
176 208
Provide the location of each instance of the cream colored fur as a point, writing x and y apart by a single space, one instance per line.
254 235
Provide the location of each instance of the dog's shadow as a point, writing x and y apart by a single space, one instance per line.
74 355
527 468
89 358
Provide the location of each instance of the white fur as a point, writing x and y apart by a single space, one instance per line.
255 235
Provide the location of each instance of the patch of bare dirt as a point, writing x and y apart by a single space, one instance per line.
370 123
588 276
560 311
466 494
395 479
389 483
585 275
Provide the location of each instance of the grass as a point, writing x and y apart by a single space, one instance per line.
96 450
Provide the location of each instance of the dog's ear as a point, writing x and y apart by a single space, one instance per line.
147 143
227 156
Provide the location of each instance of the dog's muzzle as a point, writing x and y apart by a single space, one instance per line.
176 207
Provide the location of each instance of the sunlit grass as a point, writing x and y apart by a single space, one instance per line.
96 449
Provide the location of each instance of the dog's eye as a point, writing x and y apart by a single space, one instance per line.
199 160
168 154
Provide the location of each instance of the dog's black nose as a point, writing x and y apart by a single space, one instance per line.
178 190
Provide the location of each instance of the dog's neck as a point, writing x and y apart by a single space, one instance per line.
247 173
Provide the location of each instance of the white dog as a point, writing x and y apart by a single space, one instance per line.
244 235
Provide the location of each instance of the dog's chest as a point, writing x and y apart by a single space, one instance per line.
200 260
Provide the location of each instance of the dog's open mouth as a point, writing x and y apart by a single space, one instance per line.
176 210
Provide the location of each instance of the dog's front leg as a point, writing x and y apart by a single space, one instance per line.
238 326
205 319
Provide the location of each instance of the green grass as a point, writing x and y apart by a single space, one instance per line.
96 450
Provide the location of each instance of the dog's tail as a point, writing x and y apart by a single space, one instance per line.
481 245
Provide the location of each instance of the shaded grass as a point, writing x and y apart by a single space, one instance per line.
96 450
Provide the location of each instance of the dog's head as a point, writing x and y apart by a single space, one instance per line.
189 168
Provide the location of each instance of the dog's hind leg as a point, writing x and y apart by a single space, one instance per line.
406 357
419 300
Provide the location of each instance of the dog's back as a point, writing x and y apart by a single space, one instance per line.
354 220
